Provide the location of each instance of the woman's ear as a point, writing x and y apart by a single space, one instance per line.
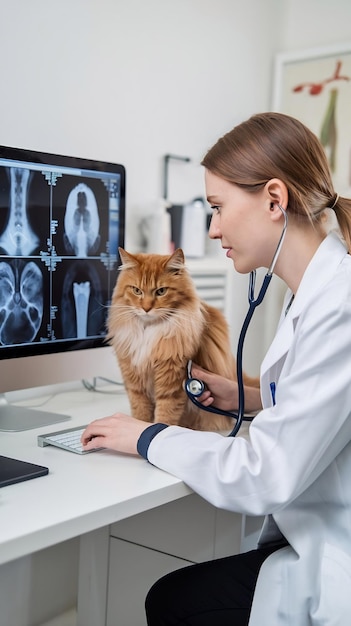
277 192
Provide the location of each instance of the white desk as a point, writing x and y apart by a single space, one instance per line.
89 496
80 493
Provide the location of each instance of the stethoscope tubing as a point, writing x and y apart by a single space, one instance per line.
194 387
253 303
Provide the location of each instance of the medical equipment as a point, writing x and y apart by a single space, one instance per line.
195 387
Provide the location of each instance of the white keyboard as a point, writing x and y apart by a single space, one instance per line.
69 439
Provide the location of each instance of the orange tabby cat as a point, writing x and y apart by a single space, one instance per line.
157 322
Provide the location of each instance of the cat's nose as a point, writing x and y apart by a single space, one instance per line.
147 306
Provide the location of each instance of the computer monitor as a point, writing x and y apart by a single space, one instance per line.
62 220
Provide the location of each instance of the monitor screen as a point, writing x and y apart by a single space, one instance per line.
61 223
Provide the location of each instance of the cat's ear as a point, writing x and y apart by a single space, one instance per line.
127 259
176 261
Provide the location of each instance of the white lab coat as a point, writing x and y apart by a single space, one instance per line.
296 464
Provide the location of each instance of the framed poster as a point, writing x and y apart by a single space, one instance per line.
315 87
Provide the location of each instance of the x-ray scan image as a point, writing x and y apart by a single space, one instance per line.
18 237
60 229
21 301
81 222
81 304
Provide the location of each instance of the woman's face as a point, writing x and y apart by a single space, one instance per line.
241 220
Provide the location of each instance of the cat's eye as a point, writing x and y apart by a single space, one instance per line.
137 291
161 291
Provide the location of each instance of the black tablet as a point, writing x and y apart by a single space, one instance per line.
15 471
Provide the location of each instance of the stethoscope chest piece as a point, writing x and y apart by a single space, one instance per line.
194 386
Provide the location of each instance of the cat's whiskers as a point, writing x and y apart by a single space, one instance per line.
125 310
179 318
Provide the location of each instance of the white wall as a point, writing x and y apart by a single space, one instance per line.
306 24
132 81
315 23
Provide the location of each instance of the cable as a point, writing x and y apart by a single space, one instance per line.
93 386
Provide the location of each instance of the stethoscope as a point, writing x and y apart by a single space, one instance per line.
195 387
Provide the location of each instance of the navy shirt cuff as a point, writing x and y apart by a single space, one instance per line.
147 436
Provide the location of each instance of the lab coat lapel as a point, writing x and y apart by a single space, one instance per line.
320 270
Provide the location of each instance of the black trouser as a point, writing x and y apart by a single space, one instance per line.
214 593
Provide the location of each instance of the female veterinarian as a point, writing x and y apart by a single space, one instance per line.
295 467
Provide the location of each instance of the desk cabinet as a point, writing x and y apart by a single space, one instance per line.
133 570
149 545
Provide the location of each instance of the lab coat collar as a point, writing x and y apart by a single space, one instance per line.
319 271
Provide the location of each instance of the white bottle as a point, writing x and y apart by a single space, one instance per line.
193 230
159 230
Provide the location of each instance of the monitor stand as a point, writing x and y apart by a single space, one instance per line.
15 418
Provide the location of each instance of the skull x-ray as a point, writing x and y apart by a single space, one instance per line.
21 301
57 271
82 236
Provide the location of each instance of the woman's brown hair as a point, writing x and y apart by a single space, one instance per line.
274 145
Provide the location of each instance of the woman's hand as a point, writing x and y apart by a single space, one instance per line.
223 393
118 432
